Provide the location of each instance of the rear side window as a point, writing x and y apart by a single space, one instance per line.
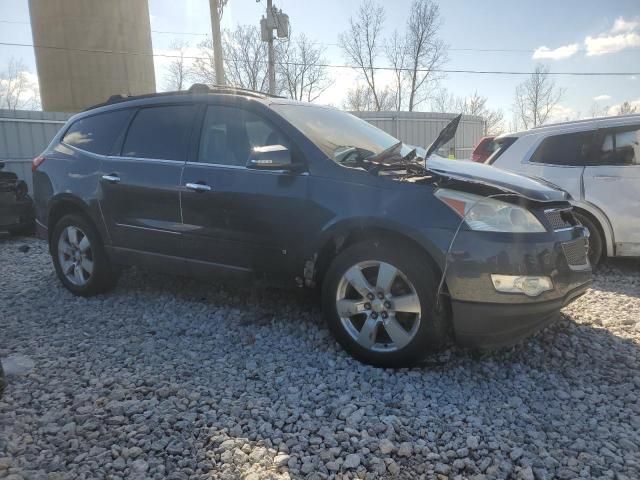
621 147
160 132
571 149
501 146
97 133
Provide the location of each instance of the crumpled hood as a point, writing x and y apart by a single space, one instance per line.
463 170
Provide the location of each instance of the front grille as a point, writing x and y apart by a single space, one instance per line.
576 252
560 218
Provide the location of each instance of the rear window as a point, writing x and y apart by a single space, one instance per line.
570 149
621 147
160 133
97 133
500 146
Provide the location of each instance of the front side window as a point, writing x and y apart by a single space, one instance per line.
97 133
160 133
343 137
229 134
570 149
620 148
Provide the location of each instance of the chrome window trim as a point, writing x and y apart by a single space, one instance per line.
148 228
240 167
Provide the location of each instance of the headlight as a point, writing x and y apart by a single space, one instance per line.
488 214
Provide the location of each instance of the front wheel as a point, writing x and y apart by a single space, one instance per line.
380 304
79 257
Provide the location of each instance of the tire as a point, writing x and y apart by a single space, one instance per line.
421 333
101 277
596 244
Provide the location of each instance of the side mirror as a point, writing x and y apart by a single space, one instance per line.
270 157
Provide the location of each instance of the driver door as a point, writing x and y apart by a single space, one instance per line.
236 217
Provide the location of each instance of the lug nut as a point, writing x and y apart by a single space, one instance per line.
367 306
374 315
387 304
384 315
380 295
370 296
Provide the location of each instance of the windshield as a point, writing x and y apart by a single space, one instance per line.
343 137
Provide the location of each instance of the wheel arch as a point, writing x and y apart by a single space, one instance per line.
349 233
601 221
66 204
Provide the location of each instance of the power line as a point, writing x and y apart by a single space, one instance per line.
327 65
329 44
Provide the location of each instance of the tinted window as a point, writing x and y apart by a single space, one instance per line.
160 132
569 149
620 148
97 133
229 134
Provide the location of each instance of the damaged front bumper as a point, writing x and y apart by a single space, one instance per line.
485 317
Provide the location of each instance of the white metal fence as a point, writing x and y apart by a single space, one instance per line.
422 128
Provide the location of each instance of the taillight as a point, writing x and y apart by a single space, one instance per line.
36 163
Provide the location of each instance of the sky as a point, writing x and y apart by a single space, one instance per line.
565 35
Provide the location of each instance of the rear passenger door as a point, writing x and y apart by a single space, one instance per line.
236 217
560 159
612 182
140 185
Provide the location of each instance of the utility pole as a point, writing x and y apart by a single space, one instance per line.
272 63
217 41
278 21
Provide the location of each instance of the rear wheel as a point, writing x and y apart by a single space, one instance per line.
380 304
79 257
596 244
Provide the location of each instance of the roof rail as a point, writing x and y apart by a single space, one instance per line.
216 88
196 88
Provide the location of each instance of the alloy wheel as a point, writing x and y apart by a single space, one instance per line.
378 306
75 255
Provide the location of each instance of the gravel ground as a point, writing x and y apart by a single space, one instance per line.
170 378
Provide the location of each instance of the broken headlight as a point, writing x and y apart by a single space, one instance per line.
487 214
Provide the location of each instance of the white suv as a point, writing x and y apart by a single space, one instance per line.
598 162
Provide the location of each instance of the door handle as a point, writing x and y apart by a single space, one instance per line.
112 177
198 187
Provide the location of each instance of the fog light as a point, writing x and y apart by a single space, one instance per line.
531 286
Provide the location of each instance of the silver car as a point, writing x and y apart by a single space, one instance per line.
598 162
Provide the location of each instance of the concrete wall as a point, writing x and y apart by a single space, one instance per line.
72 75
422 128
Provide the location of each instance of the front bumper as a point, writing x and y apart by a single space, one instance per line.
486 318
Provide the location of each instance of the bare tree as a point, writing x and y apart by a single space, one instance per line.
301 69
397 55
244 59
626 108
360 99
474 104
361 42
17 89
204 67
536 97
444 102
178 71
425 50
598 110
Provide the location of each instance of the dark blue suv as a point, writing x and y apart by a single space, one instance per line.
409 250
